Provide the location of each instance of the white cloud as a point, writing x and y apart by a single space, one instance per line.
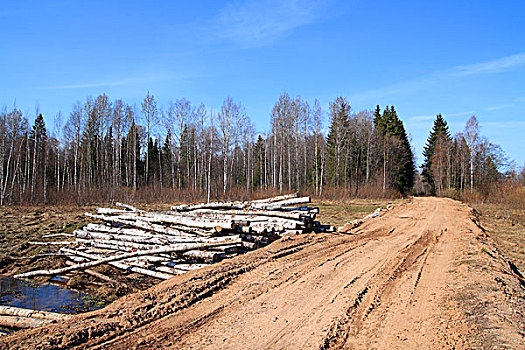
255 23
499 107
498 65
510 124
422 118
119 82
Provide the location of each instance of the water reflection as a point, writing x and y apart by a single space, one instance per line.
45 297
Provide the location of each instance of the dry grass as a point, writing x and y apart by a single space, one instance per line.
507 228
338 213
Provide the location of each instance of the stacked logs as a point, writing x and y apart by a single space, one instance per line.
188 237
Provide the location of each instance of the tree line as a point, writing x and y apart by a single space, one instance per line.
109 150
465 161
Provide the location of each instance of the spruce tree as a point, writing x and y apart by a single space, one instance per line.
439 130
396 147
403 166
337 139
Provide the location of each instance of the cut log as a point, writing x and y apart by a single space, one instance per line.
276 199
20 322
125 267
202 254
45 315
122 237
117 245
280 204
147 222
188 267
259 213
129 207
111 211
52 243
249 245
58 235
212 205
191 221
167 249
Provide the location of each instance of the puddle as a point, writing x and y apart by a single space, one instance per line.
44 297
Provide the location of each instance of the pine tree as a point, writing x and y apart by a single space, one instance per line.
439 130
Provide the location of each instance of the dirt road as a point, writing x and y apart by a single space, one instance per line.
423 275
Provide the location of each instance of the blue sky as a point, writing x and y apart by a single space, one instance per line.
457 58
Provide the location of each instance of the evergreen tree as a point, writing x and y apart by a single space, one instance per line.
439 131
337 140
398 160
403 166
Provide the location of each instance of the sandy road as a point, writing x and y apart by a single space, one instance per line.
423 275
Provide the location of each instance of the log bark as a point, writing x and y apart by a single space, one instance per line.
122 266
58 235
160 240
52 243
20 322
212 205
111 211
129 207
202 254
45 315
168 249
285 215
276 199
280 204
147 222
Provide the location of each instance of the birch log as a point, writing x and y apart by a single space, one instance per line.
22 322
167 249
276 199
202 254
212 205
280 204
122 266
285 215
45 315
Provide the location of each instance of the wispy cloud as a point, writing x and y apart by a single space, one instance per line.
498 65
499 107
422 118
113 83
509 124
256 23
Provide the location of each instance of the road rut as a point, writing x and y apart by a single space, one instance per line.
423 275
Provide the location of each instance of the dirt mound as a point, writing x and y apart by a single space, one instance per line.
424 275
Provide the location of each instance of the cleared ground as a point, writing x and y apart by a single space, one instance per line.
424 275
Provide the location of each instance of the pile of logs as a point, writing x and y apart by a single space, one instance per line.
188 237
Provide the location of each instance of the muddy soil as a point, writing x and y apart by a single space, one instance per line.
423 275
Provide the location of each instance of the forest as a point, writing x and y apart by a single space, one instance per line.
107 150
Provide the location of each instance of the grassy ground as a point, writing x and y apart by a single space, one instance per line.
507 228
338 213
